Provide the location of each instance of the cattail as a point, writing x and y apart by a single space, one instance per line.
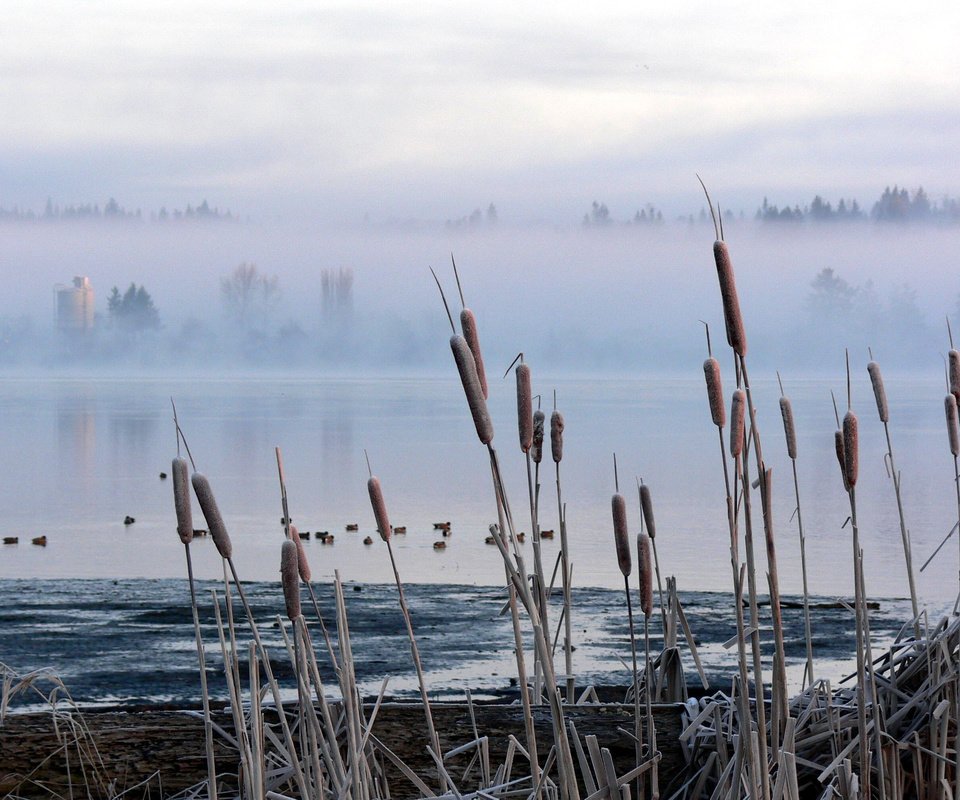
208 505
536 449
841 459
879 392
379 508
476 396
786 411
737 407
524 407
303 566
181 500
290 578
620 536
469 325
732 318
711 371
646 506
556 436
851 456
950 406
953 359
645 567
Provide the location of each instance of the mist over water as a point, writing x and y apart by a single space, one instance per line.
579 300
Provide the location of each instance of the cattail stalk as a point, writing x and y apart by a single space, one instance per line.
790 434
711 373
953 361
524 407
556 450
646 604
883 411
953 436
472 387
732 318
646 515
211 513
290 578
468 324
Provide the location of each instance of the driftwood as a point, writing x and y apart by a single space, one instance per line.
165 748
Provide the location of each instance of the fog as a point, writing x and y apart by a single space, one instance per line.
613 299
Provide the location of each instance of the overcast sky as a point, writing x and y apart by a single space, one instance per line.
428 110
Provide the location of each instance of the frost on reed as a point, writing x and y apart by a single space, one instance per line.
290 578
620 535
879 393
181 499
472 387
536 448
556 436
789 431
950 408
208 505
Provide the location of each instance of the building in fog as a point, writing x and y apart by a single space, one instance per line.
75 306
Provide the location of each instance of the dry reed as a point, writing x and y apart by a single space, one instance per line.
646 506
950 407
879 393
536 448
851 455
303 566
711 372
379 508
472 387
620 535
841 458
556 436
468 324
737 409
181 499
953 361
789 431
208 505
524 407
732 318
645 573
290 578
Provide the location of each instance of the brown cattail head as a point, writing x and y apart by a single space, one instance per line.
876 379
953 361
208 505
711 371
468 323
181 500
290 578
556 436
841 459
472 388
645 569
737 408
620 536
851 448
950 406
646 506
302 564
379 508
524 407
732 318
536 449
786 411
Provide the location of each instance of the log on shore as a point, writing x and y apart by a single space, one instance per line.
104 752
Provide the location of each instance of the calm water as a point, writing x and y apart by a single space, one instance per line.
82 454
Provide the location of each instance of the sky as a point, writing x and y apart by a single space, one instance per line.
398 110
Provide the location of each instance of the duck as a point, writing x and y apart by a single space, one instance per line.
40 541
367 540
353 526
441 545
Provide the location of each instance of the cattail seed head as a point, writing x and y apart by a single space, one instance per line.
379 508
290 578
208 505
524 407
953 361
645 569
303 566
841 459
876 379
711 371
737 408
556 436
732 318
786 411
181 500
950 406
536 449
646 507
472 388
851 447
620 536
468 324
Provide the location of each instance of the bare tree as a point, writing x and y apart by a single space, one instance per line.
249 296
